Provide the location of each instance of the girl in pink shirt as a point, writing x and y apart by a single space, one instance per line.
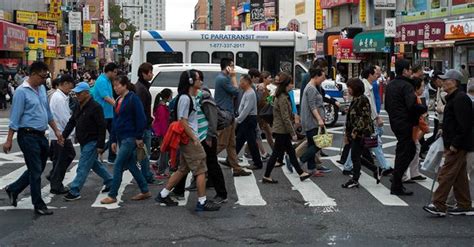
160 125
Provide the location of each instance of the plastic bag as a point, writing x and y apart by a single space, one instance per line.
434 156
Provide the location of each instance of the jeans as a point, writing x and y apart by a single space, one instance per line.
88 161
62 158
312 149
246 132
35 149
283 144
127 159
214 171
145 164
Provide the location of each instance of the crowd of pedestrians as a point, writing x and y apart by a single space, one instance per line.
186 132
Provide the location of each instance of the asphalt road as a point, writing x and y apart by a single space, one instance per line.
314 213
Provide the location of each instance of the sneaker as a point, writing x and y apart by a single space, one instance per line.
461 211
418 178
387 172
219 199
346 172
323 169
265 157
241 173
207 206
288 164
350 184
167 201
177 196
279 164
12 196
340 162
70 197
43 211
432 209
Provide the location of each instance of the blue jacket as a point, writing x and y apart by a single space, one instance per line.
375 89
102 89
225 93
130 121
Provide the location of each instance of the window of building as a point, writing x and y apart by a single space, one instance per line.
218 55
378 17
164 57
200 57
247 60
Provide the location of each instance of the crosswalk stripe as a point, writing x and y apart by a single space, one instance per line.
126 180
247 191
11 177
25 203
186 192
312 194
379 191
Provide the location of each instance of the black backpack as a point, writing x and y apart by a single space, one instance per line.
173 106
224 118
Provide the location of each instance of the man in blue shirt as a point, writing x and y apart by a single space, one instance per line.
30 116
226 90
103 94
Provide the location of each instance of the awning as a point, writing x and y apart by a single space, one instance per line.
370 42
465 42
444 43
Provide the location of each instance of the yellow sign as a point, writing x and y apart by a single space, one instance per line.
93 28
48 16
26 17
86 28
5 15
68 51
50 53
55 6
318 15
362 11
335 17
247 20
300 8
37 39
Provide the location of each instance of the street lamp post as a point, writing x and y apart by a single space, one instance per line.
139 26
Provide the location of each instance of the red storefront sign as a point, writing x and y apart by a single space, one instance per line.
345 51
427 31
13 36
328 4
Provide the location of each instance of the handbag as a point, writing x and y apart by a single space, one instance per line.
266 113
371 141
155 148
323 140
141 154
434 156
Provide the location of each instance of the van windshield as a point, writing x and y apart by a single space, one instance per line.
171 78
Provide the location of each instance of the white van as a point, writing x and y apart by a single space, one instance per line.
265 51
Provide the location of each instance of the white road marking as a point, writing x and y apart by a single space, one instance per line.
186 192
126 180
247 190
378 191
312 194
11 177
25 203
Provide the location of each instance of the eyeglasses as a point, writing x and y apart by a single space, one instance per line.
43 75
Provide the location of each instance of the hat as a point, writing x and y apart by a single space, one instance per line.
81 87
436 74
452 74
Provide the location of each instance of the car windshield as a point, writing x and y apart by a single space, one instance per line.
171 78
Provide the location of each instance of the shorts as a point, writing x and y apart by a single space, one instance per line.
192 158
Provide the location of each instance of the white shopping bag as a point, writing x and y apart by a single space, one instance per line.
434 156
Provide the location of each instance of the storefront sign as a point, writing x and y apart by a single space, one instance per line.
417 10
5 15
460 29
460 7
300 8
86 39
438 8
88 53
390 27
48 16
49 26
345 52
235 18
425 53
318 16
26 17
10 63
75 21
407 33
51 42
362 11
55 6
430 31
385 4
13 37
257 12
51 53
37 39
269 6
372 41
329 4
328 44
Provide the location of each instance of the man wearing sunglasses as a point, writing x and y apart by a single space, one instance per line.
30 116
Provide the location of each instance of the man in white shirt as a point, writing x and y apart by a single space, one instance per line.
62 156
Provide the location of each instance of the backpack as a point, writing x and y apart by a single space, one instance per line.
224 118
173 106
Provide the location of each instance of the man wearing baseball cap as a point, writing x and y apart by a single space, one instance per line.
457 127
88 119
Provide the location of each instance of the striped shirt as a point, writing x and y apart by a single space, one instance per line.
203 124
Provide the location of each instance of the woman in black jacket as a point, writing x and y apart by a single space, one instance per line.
358 125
